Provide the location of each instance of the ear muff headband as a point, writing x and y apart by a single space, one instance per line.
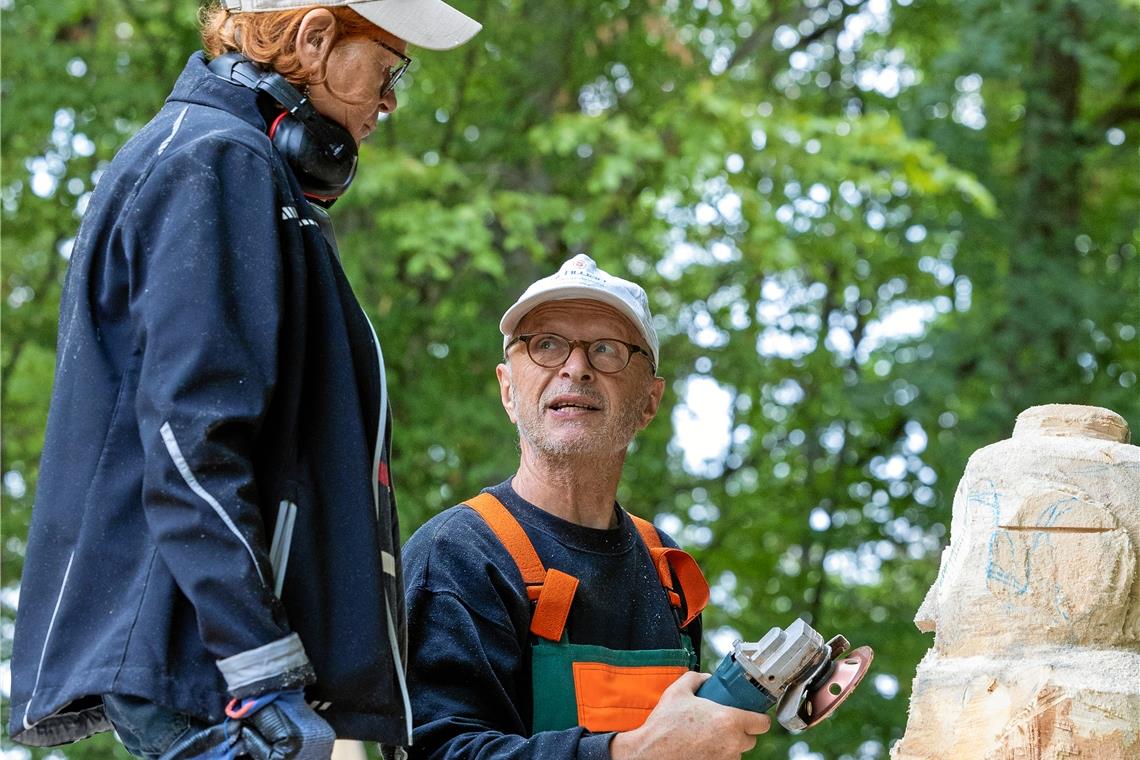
321 153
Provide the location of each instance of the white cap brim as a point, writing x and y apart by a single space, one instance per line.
515 314
430 24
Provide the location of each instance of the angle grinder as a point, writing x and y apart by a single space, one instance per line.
793 669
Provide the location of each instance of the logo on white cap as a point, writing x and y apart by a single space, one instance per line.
580 277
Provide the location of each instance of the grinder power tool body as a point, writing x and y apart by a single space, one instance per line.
793 669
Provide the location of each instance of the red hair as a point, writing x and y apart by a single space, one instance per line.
269 38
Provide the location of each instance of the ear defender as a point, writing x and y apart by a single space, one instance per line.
321 153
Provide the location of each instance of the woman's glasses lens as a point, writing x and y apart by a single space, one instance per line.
395 71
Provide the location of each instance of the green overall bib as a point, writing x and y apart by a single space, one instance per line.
595 687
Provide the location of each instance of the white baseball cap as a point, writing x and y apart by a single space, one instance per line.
431 24
580 277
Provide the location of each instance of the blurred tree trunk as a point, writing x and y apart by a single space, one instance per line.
1043 260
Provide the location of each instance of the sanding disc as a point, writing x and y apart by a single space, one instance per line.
846 674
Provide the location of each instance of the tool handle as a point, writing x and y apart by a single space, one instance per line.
730 686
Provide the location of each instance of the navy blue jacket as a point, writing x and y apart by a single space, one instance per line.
469 620
214 515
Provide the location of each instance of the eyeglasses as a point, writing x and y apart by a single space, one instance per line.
395 71
606 355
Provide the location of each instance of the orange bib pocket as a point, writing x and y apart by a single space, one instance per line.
619 697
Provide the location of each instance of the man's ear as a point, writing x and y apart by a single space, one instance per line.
316 37
503 372
652 401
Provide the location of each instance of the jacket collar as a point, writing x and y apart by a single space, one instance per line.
198 85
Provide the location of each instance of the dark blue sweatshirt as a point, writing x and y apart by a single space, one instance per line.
469 621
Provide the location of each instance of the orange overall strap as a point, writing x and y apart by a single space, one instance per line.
551 590
670 562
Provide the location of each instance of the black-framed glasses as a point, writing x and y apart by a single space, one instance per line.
606 355
395 71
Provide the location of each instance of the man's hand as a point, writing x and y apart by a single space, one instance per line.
684 726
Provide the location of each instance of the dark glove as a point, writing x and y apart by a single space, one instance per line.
281 726
220 741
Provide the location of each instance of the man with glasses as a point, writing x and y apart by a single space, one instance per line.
213 565
546 621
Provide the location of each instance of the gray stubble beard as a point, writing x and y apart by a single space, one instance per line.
613 439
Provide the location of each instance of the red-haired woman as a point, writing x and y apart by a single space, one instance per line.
213 564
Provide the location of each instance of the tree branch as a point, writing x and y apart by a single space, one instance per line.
1126 110
764 34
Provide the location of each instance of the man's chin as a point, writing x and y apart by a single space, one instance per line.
567 447
580 446
562 442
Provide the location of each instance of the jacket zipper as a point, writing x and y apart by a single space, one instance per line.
388 560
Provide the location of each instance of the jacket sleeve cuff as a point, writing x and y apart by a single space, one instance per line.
595 747
278 665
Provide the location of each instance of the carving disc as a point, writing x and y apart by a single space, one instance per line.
846 675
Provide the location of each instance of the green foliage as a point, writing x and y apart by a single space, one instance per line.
869 231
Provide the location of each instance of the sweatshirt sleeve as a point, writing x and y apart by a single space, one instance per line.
466 669
202 243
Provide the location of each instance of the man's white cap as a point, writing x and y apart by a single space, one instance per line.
431 24
580 277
